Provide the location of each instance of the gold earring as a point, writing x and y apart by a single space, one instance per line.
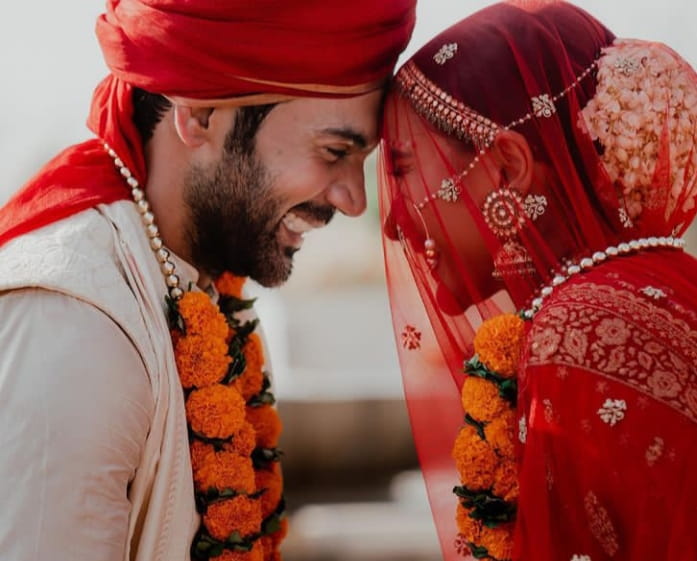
430 247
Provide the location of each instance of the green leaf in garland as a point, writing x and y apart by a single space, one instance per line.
174 318
235 539
508 390
238 363
264 397
246 329
263 457
474 367
230 305
271 525
477 425
487 507
205 547
479 552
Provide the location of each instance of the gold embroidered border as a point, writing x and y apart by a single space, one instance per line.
621 334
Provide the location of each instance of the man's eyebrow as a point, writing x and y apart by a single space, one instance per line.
348 133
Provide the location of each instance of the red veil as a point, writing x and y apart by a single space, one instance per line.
612 163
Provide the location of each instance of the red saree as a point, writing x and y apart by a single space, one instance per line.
608 374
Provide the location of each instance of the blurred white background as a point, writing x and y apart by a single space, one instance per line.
347 440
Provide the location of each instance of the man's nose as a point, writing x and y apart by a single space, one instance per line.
347 194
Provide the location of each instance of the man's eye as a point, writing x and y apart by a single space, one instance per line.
337 153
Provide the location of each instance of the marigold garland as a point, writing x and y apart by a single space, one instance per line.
215 411
231 423
252 382
270 482
239 514
226 470
481 400
484 450
243 441
266 424
497 343
201 361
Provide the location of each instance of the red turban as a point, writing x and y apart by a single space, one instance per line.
209 52
211 49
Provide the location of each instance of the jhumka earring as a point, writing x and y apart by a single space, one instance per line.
430 248
505 214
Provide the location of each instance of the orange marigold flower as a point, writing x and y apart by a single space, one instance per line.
238 514
498 343
201 316
500 433
506 481
254 554
199 454
230 285
498 541
201 361
475 460
225 470
481 399
243 441
267 425
271 482
216 411
252 379
466 525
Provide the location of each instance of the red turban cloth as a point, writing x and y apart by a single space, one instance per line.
209 52
211 49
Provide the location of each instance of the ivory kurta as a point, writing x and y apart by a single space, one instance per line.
95 461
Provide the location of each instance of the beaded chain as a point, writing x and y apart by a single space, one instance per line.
623 248
151 229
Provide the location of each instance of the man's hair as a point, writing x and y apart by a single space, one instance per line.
149 108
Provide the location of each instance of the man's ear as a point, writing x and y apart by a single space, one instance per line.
515 159
192 124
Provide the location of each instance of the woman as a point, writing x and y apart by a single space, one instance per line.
534 163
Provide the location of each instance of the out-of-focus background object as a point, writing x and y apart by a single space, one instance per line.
352 481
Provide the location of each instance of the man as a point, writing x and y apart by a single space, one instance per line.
261 117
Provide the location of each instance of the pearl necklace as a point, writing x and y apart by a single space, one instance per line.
151 229
598 257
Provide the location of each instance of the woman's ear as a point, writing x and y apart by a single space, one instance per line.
192 124
515 159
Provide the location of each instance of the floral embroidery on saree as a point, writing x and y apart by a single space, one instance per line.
621 334
600 524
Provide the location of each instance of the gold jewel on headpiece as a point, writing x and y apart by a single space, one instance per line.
454 117
448 192
443 110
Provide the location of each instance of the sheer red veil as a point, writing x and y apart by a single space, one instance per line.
535 69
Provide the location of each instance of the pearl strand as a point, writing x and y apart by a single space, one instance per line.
151 229
623 248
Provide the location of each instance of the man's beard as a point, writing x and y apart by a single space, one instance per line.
234 218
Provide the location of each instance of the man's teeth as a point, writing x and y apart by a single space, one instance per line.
296 224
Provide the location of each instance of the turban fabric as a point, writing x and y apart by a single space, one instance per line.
208 52
213 49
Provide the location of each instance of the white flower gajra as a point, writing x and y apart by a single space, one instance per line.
644 103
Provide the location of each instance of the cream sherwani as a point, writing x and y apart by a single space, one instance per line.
94 461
